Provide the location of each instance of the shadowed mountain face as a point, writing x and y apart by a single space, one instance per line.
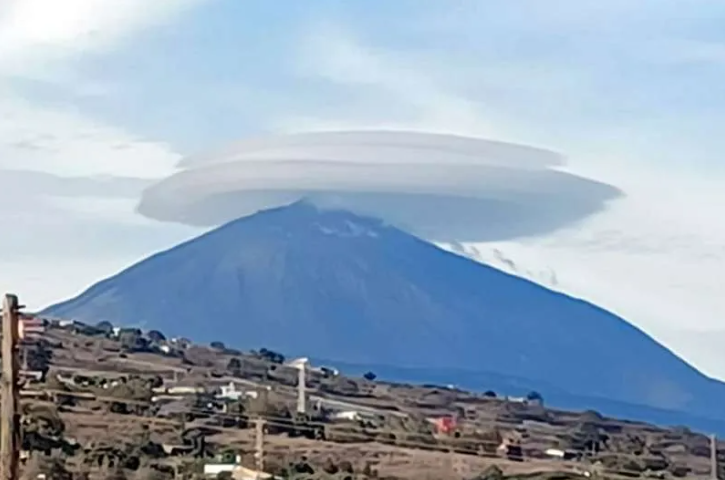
331 284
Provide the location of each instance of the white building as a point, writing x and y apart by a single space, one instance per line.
346 415
230 392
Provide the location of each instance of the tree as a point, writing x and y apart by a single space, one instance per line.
128 338
135 390
591 416
42 429
218 345
156 382
39 357
234 365
370 376
271 356
105 327
534 397
156 336
341 385
489 394
132 340
492 472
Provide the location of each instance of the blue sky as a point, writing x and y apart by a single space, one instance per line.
538 73
631 92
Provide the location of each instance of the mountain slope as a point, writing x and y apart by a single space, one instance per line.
334 285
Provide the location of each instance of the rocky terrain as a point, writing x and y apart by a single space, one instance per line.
104 402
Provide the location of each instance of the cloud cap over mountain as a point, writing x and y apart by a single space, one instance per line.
442 187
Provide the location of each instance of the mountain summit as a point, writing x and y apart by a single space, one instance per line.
331 284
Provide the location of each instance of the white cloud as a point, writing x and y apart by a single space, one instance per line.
438 186
416 101
381 146
74 185
66 233
33 32
58 138
67 143
61 171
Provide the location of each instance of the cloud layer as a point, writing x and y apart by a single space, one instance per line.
444 187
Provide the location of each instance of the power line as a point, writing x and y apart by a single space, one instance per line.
402 438
367 434
451 445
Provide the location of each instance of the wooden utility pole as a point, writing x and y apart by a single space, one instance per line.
713 457
10 417
259 444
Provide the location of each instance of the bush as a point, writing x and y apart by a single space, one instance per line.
492 472
271 356
234 365
534 397
105 327
39 357
132 341
156 336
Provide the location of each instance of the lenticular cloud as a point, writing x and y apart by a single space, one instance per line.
442 187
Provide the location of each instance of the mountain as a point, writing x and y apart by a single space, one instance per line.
331 284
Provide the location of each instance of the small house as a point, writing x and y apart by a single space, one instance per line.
556 453
180 390
230 392
351 415
511 450
444 425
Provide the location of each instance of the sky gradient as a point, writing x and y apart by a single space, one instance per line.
99 98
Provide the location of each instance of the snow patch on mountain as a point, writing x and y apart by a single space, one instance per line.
348 229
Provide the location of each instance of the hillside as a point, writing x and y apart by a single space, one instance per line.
334 285
152 404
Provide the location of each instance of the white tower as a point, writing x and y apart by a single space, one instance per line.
301 387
